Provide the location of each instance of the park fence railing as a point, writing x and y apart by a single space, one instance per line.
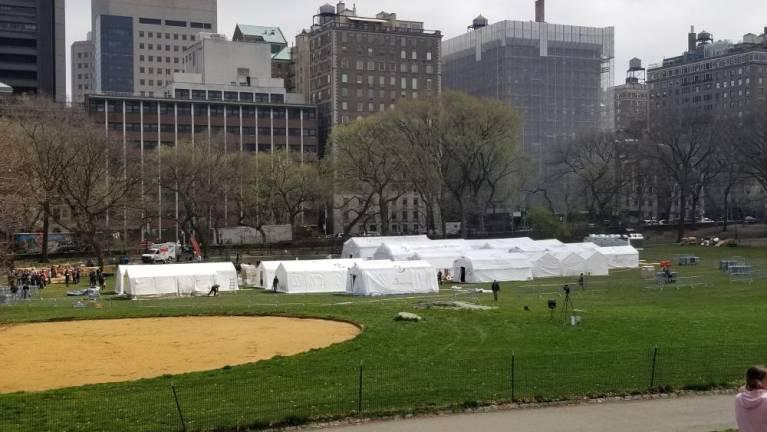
238 399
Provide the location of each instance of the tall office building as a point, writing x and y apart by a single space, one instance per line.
83 69
352 66
356 66
32 49
139 44
711 77
556 76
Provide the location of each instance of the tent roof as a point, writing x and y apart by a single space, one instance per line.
270 265
384 264
549 242
495 259
319 265
378 241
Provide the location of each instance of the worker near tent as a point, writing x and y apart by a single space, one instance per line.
495 287
275 284
214 291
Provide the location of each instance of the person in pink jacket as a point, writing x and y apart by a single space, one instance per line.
751 402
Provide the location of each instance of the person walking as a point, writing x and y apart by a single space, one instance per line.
25 291
66 278
581 282
101 279
275 284
439 277
496 288
751 402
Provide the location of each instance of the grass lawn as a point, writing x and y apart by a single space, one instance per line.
705 335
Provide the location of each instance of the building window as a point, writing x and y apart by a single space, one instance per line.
414 56
428 56
344 78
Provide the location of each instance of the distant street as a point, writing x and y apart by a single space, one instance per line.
696 414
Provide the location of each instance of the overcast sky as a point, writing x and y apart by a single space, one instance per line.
648 29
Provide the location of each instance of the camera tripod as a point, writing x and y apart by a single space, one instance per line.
567 307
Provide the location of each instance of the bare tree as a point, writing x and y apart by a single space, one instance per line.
40 131
201 176
91 187
14 211
682 147
596 160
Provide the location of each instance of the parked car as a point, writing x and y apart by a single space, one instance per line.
750 220
705 220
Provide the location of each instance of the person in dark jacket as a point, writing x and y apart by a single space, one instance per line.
275 284
496 288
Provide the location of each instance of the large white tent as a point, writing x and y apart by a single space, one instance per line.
595 263
510 243
621 257
175 279
488 265
265 272
550 243
312 277
545 265
394 251
441 259
377 278
570 263
365 247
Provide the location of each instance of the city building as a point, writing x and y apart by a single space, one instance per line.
556 76
359 65
719 78
139 44
32 49
630 101
352 66
225 97
83 69
282 55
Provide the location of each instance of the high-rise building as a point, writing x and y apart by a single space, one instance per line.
83 69
556 76
631 101
356 65
353 66
139 44
718 78
32 49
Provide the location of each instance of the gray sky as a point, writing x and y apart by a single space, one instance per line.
648 29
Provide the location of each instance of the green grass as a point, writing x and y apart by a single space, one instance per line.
705 335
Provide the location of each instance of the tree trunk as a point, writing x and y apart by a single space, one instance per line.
682 215
46 229
726 208
383 209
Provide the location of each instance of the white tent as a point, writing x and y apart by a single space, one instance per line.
394 251
441 259
175 279
509 243
545 265
571 263
484 266
311 277
550 243
365 247
376 278
595 263
249 275
265 273
619 257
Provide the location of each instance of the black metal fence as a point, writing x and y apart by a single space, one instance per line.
240 398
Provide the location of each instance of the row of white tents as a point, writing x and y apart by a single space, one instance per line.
513 259
351 276
175 279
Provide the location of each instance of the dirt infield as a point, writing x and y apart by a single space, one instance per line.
66 354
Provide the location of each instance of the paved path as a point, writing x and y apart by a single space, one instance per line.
695 414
